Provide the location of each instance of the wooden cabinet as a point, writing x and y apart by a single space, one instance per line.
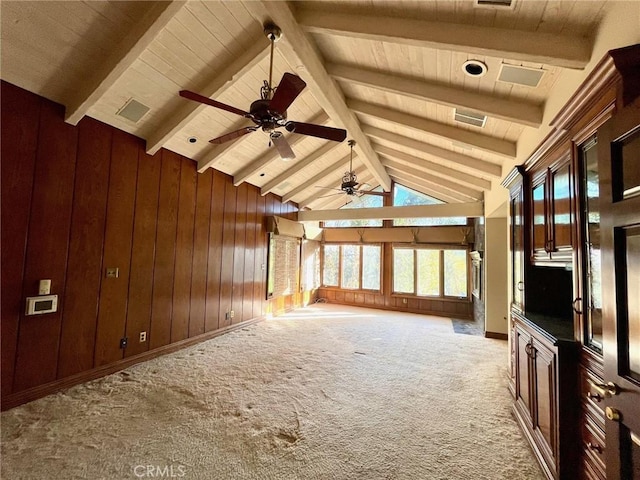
552 211
545 396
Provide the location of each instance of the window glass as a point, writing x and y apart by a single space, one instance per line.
404 196
371 267
403 272
330 269
455 273
350 266
365 201
428 272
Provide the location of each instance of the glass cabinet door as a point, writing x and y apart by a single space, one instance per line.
517 249
592 270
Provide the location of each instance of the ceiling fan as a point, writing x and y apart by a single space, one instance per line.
270 112
350 185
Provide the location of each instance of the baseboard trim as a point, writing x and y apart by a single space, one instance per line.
24 396
404 310
498 336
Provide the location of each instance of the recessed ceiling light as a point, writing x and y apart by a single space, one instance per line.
262 174
192 139
474 68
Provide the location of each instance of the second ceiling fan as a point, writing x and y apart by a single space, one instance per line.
270 111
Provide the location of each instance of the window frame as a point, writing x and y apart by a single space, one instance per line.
441 249
360 267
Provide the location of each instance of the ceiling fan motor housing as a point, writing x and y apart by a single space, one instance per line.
265 118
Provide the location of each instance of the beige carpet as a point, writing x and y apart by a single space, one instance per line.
328 392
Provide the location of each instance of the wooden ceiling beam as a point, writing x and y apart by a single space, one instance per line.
396 168
467 209
144 31
360 172
432 168
272 154
404 179
465 161
486 143
299 50
215 152
229 75
548 48
520 112
297 167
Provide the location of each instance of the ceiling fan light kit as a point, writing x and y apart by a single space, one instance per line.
269 112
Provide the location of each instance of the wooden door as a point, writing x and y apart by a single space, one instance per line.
619 148
544 418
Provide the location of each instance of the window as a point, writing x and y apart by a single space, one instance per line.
310 265
429 272
366 201
353 267
403 196
283 266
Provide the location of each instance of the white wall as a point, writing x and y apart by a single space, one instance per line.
496 273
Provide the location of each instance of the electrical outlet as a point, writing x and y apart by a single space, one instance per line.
143 337
231 314
404 300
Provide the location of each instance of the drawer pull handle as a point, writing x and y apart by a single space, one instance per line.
594 396
520 286
605 390
595 447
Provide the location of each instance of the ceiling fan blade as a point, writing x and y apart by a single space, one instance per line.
232 135
283 147
320 131
289 88
196 97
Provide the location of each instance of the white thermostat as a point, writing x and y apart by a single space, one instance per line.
42 304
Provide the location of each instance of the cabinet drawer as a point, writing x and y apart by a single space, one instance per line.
591 400
593 442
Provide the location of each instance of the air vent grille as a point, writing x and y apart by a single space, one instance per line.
133 110
470 118
495 3
528 77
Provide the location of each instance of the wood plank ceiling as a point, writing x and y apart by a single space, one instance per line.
389 72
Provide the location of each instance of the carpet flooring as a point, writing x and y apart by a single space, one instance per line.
326 392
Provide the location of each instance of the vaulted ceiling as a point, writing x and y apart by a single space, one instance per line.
389 72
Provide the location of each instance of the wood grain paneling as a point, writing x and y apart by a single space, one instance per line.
84 270
142 253
260 261
216 224
237 300
200 254
47 246
249 253
184 252
112 305
20 119
162 301
228 237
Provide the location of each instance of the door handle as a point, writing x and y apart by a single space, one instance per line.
573 305
607 390
520 286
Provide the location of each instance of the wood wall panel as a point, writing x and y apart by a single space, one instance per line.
216 224
86 242
249 253
112 309
237 295
79 200
20 118
200 254
184 252
162 301
47 246
228 238
142 253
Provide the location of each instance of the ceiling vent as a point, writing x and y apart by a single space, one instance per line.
133 110
470 118
507 4
528 77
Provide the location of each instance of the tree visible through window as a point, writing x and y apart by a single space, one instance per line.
430 272
355 267
366 201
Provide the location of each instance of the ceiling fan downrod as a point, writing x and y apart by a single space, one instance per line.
273 33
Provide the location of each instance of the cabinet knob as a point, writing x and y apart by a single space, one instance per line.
594 396
520 286
595 447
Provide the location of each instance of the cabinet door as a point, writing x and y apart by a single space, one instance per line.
544 417
560 211
523 351
538 210
517 249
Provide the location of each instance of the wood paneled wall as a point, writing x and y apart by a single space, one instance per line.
78 200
